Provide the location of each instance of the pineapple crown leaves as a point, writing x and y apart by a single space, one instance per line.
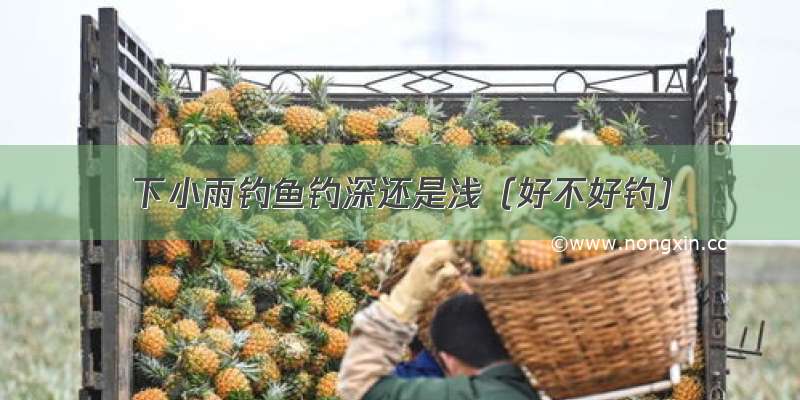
271 290
479 112
153 370
313 333
239 338
241 394
275 391
228 75
537 135
634 132
166 90
197 129
191 307
318 90
294 310
589 109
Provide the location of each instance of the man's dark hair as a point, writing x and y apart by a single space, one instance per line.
462 329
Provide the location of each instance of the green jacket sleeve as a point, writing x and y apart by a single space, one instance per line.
394 388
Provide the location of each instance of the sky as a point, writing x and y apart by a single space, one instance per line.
40 41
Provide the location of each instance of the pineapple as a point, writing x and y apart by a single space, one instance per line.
186 329
294 230
503 130
647 158
339 305
190 109
165 141
265 227
222 112
309 165
292 352
326 386
163 214
636 134
161 290
205 298
174 250
238 309
238 278
535 254
249 100
200 360
361 125
217 339
372 148
385 113
219 322
269 373
298 386
412 129
151 394
688 388
335 343
231 380
348 260
251 255
590 244
260 341
152 341
159 270
494 256
273 163
311 296
157 316
271 135
236 163
305 122
577 148
589 109
216 96
396 161
458 136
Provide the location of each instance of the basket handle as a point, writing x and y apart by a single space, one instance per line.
685 177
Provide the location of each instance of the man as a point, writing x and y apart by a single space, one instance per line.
472 355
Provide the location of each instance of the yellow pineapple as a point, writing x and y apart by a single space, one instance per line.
372 147
237 162
384 113
494 256
238 278
161 289
240 310
688 388
304 122
190 109
219 112
339 304
260 341
273 163
163 214
165 139
361 125
336 341
271 135
292 352
200 360
186 329
159 270
458 136
610 136
157 316
504 130
269 373
312 297
219 322
412 129
535 253
231 380
218 339
151 394
152 341
174 249
216 96
326 387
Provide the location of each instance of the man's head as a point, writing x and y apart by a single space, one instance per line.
464 337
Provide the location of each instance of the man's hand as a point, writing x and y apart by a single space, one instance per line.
425 274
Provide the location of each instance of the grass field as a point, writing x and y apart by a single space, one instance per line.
40 325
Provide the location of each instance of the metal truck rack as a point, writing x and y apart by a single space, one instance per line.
684 103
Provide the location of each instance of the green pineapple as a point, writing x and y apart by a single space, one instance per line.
636 134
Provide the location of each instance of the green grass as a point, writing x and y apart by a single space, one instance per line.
39 326
40 331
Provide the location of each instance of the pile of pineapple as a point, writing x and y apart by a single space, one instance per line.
237 307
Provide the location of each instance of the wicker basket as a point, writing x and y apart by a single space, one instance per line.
599 324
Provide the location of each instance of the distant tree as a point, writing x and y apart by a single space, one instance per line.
5 201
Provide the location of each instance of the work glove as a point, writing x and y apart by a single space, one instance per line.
432 266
